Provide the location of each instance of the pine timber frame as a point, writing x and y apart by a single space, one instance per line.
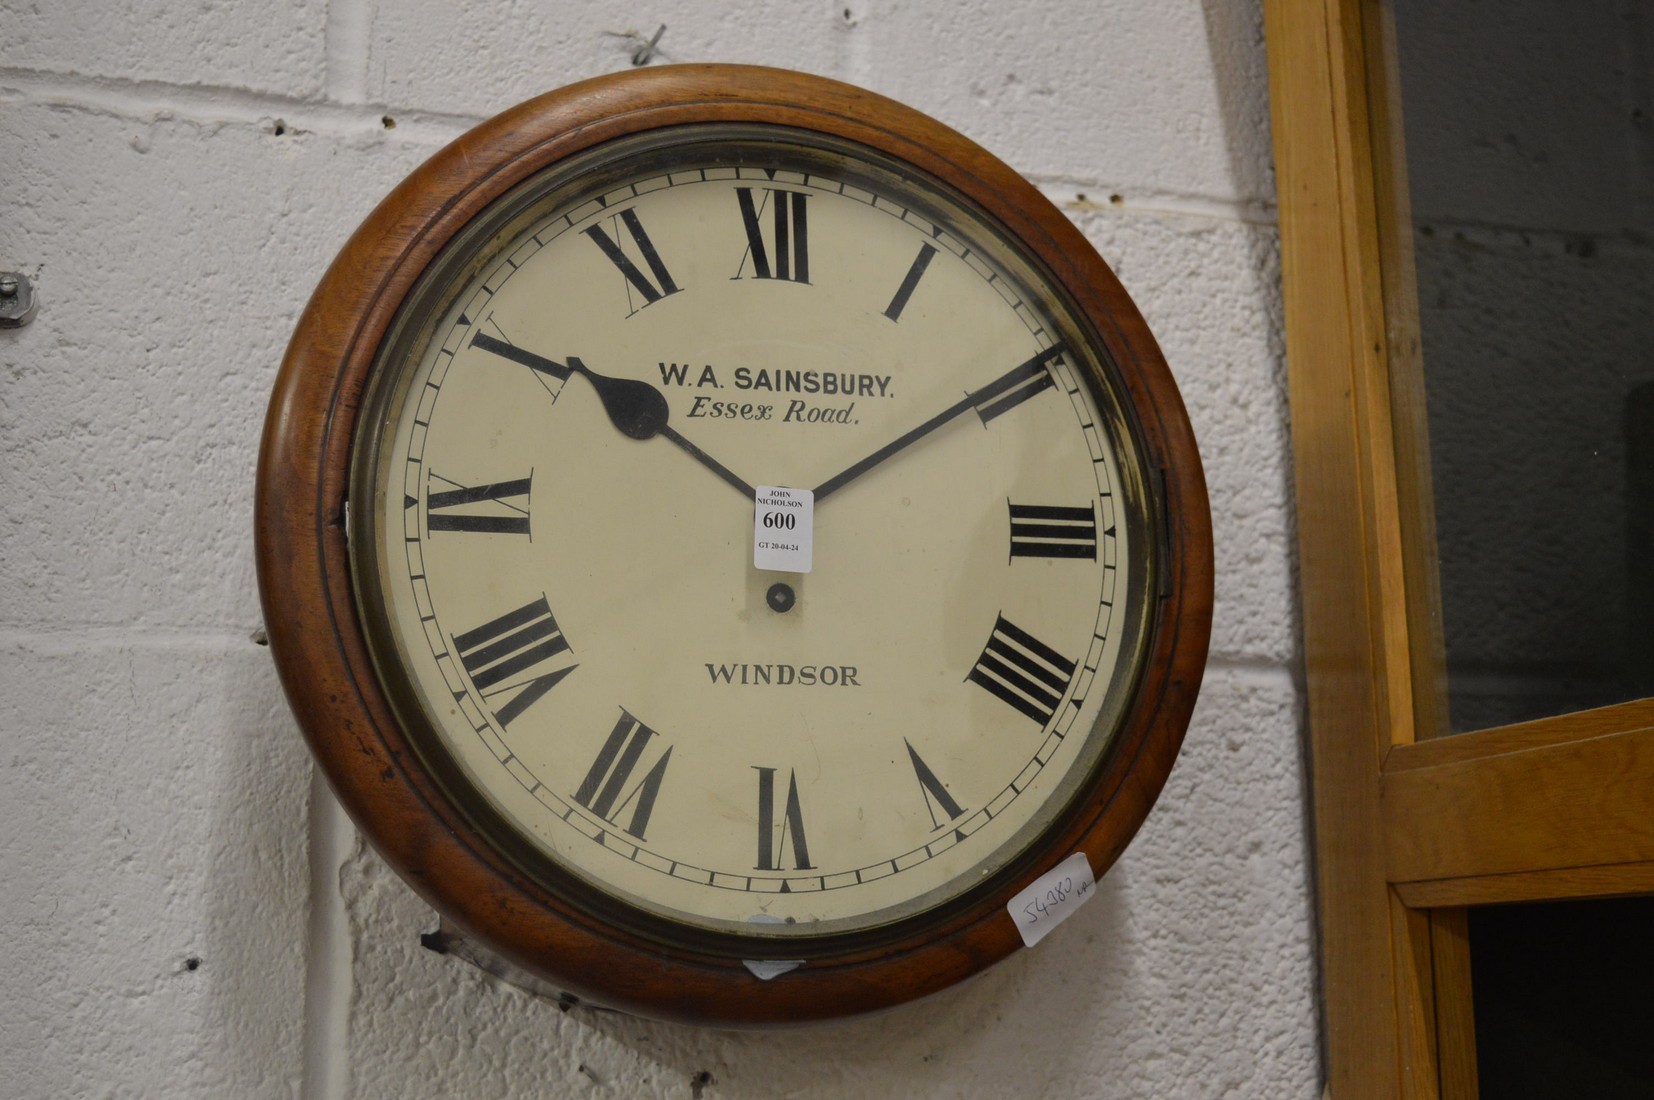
1409 830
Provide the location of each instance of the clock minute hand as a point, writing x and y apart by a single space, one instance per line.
636 409
1003 393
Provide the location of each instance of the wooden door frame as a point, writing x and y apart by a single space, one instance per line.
1408 830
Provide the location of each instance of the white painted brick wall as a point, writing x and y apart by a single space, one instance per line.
175 174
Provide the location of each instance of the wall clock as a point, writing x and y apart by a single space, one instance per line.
724 534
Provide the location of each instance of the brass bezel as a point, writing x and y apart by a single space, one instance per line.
497 230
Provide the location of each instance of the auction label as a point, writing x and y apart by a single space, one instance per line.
783 528
1052 898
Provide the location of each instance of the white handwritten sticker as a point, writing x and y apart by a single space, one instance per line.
783 528
769 969
1052 898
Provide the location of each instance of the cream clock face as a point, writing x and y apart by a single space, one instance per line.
554 535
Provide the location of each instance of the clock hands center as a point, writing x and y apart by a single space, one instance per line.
1004 392
636 409
639 411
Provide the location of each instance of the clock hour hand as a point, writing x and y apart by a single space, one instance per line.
1002 394
636 409
639 411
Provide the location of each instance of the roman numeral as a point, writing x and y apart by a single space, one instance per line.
1048 531
909 282
652 291
770 839
604 792
1016 385
1023 671
790 257
542 367
936 795
498 653
499 508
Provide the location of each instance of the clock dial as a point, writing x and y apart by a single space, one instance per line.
554 495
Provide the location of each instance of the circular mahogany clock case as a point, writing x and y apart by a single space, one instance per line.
723 535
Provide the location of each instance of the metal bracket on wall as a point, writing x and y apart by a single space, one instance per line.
17 300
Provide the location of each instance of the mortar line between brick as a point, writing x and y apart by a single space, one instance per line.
1256 670
348 45
1073 196
853 56
51 638
144 101
48 642
327 964
141 101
